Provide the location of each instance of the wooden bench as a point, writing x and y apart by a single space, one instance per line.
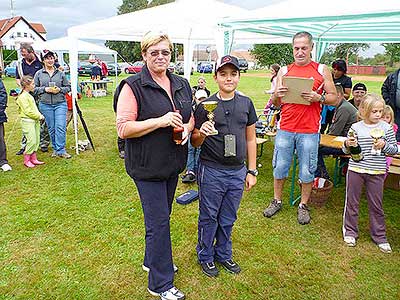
393 179
261 142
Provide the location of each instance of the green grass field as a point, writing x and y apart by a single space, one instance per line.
73 229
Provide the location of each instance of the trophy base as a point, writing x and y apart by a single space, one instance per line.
214 132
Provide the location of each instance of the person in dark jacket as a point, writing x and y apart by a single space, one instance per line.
154 116
3 118
392 97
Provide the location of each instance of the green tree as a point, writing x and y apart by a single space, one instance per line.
268 54
130 51
348 52
393 52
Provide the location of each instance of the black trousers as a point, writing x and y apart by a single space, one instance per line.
156 198
3 150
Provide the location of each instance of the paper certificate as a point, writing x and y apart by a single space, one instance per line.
296 85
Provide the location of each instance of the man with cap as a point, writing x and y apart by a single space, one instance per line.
298 127
29 65
358 92
391 93
222 173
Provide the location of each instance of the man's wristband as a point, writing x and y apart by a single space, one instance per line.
322 99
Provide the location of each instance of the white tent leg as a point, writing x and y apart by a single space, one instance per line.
73 62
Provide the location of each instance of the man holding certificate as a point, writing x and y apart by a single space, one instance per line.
302 88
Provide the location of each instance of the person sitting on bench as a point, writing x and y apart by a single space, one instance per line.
345 115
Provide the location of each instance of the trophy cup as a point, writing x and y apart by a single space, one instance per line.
376 134
210 106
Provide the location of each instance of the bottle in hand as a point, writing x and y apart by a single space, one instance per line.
178 133
355 151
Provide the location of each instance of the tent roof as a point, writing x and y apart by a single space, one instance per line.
337 21
63 44
182 20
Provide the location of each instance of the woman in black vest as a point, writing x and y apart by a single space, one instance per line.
152 105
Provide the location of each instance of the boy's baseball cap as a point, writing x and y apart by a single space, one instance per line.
225 60
200 94
359 87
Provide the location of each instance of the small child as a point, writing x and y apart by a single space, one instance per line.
193 152
30 121
388 117
368 172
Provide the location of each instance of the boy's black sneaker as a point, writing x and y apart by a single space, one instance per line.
231 266
210 269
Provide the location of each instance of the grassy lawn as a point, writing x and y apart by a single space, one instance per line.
73 229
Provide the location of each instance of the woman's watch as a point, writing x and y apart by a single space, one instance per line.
253 172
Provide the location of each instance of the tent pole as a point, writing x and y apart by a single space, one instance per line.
73 61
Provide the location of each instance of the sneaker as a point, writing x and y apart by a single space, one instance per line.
122 154
303 214
6 167
147 269
385 248
188 178
54 154
64 155
273 208
20 151
231 266
350 241
210 269
44 149
172 294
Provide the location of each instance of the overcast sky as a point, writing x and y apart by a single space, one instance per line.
58 15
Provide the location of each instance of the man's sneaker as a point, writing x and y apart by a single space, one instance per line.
188 178
210 269
147 269
44 149
20 151
273 208
350 241
121 154
385 248
231 266
54 154
303 214
6 168
64 155
172 294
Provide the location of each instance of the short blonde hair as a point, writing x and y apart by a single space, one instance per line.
389 111
152 38
26 80
368 103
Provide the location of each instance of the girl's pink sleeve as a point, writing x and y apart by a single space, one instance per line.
126 110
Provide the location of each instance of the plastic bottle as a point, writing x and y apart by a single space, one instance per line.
355 151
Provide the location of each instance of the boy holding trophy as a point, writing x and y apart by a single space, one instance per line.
225 130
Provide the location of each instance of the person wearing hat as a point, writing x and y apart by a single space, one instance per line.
391 95
298 127
51 86
222 173
358 92
193 152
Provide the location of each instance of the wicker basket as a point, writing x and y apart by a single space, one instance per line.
319 196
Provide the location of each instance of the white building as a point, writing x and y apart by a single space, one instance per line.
16 30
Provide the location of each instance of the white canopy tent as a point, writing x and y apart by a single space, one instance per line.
188 22
339 21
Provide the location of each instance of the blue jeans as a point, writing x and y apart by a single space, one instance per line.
220 193
306 145
193 158
56 119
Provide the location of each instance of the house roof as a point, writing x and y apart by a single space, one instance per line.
7 24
